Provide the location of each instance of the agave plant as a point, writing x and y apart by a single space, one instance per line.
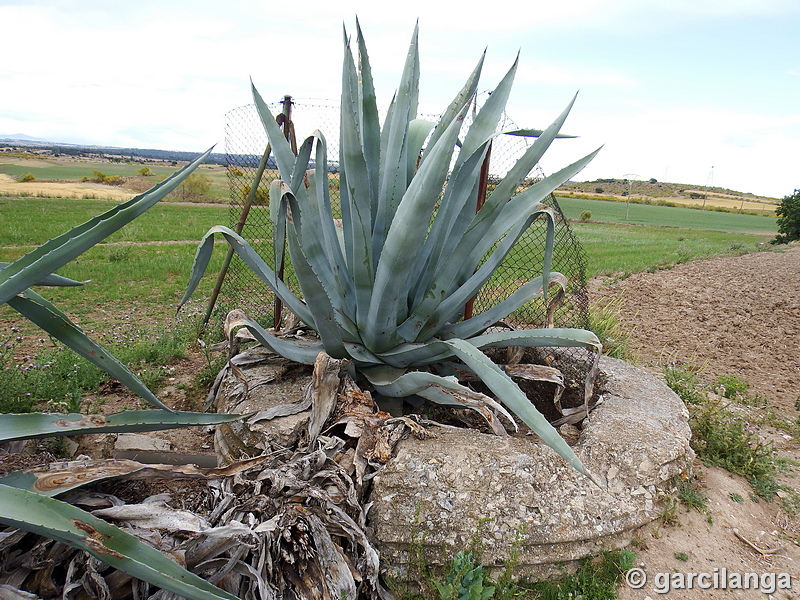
386 286
27 508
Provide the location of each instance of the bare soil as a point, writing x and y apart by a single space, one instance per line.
730 315
723 316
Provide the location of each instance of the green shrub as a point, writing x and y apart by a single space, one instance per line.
586 215
196 187
788 219
98 177
730 441
26 177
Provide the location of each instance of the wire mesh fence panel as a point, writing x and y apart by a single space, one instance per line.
245 142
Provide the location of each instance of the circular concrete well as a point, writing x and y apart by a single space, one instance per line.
515 494
510 494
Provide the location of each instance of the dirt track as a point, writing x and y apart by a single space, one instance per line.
733 315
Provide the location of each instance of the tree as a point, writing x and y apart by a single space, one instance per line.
788 212
145 172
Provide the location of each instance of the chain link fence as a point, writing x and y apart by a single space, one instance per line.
245 142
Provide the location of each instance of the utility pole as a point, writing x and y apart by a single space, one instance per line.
709 184
630 178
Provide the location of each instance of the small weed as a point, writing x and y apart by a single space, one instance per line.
605 322
756 400
736 498
684 382
780 422
791 501
595 579
669 513
731 386
506 589
722 438
464 581
682 556
639 542
691 495
118 254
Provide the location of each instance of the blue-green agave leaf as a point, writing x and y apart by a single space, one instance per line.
516 175
536 133
388 304
370 124
252 260
484 126
461 281
357 188
487 229
418 132
459 203
481 322
509 394
314 291
399 383
551 337
277 209
301 351
54 254
27 426
72 526
51 280
281 148
43 313
394 156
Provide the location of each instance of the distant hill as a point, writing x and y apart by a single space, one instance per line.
19 137
608 189
56 148
655 189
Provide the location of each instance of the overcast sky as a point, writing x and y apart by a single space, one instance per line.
689 91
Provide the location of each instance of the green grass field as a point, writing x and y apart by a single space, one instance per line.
33 221
146 275
154 269
623 250
666 216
